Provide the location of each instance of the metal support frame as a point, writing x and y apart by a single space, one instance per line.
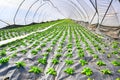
4 22
96 13
17 11
29 10
106 12
37 10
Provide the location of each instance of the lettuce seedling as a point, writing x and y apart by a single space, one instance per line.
48 50
116 63
106 71
24 51
59 50
83 62
87 71
101 63
45 54
117 79
58 55
51 71
34 52
43 45
14 55
20 64
81 55
69 62
118 71
69 71
42 60
69 55
108 55
69 50
115 44
4 60
39 49
35 69
3 53
115 52
95 56
55 61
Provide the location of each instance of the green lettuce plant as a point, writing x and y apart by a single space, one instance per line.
69 71
20 64
4 60
101 63
55 61
106 71
69 62
35 69
116 63
51 71
83 62
42 60
87 71
3 53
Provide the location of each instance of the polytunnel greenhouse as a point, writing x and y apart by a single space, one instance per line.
59 39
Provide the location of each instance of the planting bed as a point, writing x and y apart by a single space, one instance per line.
66 51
